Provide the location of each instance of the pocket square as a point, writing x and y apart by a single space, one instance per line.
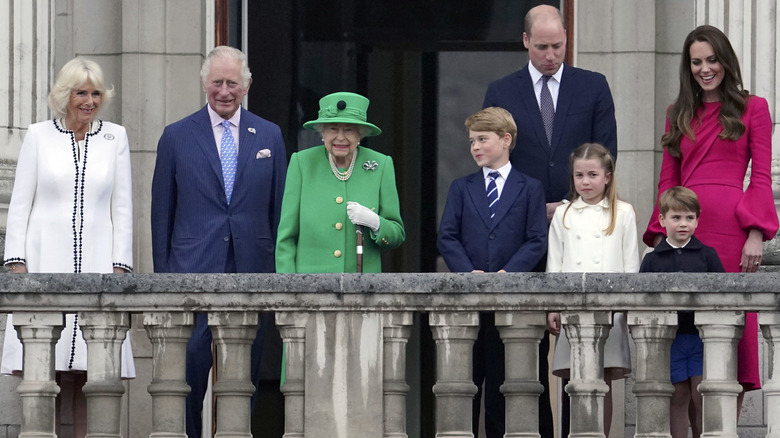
263 153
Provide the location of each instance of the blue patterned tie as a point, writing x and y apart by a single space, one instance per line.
227 151
492 192
547 108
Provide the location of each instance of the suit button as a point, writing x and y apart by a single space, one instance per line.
339 199
552 164
337 253
339 225
492 236
226 238
596 260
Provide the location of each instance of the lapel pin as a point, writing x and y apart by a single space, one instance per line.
252 130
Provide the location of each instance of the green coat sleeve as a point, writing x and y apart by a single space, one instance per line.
391 227
289 223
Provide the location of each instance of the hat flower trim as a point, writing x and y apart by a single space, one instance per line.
331 111
370 165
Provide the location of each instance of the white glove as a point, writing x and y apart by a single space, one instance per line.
360 215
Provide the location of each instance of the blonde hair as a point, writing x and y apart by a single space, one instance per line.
679 198
494 119
74 74
595 151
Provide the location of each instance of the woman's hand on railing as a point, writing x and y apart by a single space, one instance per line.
554 323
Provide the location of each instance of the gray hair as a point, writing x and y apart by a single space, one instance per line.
74 74
226 52
363 131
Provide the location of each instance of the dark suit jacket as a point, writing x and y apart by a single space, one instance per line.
584 113
191 220
514 240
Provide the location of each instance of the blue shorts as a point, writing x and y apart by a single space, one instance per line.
687 358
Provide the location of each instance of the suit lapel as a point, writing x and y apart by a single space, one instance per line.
247 142
562 107
528 97
512 188
476 189
205 139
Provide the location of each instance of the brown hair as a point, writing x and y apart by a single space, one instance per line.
595 151
733 97
679 198
494 119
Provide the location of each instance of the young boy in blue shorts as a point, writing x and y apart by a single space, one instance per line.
681 251
494 221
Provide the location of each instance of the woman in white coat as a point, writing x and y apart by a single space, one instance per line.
71 211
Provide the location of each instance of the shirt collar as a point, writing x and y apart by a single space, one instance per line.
536 74
580 204
503 170
216 119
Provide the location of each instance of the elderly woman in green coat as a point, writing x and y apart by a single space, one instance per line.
334 187
330 190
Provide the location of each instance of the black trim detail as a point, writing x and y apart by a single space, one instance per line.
127 268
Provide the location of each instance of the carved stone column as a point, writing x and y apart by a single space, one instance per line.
292 328
653 333
169 334
454 334
587 333
39 333
521 333
104 333
770 327
396 328
233 334
720 332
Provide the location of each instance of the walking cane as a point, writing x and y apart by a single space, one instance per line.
359 259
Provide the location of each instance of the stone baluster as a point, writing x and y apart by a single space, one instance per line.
770 327
292 328
720 332
169 334
396 328
521 333
39 333
587 333
104 333
233 334
653 333
454 334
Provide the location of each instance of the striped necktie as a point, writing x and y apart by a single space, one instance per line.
492 192
228 155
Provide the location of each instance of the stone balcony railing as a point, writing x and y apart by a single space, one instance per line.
105 303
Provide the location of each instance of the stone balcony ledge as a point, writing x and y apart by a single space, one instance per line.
390 292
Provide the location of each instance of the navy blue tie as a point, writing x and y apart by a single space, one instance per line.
492 192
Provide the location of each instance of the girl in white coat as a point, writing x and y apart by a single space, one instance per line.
594 232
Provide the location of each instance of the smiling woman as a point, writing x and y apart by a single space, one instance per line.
71 211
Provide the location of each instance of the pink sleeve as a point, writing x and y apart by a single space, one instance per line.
756 209
670 177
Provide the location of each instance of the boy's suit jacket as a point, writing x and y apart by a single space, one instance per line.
584 113
514 240
191 219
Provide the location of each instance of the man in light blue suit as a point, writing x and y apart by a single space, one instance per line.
557 108
216 200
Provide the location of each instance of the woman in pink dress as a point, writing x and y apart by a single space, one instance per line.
713 130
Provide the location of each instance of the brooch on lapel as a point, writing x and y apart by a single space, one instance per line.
370 165
108 136
252 130
262 153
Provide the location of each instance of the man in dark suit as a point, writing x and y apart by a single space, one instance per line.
557 108
216 200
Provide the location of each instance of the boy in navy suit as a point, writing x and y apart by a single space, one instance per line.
681 251
494 221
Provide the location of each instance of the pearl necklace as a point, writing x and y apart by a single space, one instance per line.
342 176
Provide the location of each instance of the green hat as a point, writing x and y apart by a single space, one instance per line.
343 107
